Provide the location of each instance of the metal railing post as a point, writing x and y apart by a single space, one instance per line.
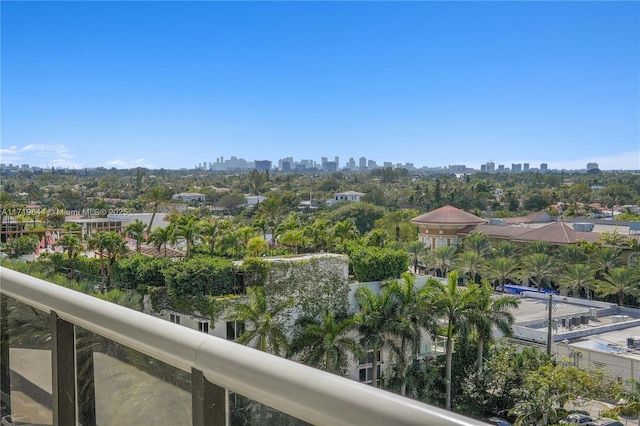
5 366
63 371
209 401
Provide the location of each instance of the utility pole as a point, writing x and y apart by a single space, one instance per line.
550 325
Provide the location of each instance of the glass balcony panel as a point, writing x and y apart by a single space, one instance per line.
247 412
130 387
29 331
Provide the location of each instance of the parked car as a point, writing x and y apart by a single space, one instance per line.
498 421
576 419
605 422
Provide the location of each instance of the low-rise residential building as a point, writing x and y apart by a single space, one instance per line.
189 197
351 196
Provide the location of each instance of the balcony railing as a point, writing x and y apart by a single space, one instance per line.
194 375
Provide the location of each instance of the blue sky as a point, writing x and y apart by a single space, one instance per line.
172 84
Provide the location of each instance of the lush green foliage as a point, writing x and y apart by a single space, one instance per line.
378 264
200 276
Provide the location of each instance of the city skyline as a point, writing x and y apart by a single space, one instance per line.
170 85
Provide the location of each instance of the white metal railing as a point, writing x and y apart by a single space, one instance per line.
307 393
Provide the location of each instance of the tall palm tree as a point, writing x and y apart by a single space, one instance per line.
318 234
621 281
292 238
378 322
505 249
605 258
72 245
471 263
136 230
326 343
571 253
156 196
411 320
479 243
443 259
492 312
539 267
265 331
187 228
501 269
539 247
415 249
576 277
272 209
344 231
114 246
393 222
160 237
455 305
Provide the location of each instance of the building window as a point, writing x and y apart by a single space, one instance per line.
364 374
369 357
174 318
441 242
234 329
203 326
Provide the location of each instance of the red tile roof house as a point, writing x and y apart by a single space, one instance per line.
440 227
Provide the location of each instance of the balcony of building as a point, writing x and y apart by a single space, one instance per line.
68 358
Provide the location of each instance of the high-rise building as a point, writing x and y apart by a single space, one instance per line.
525 167
263 165
516 167
491 167
591 166
337 160
544 167
362 163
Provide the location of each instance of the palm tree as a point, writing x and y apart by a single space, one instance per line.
392 222
539 267
345 231
571 253
415 249
457 306
292 238
631 398
379 323
256 180
72 245
443 259
261 224
576 277
505 249
501 269
187 228
536 407
318 234
471 263
492 312
540 247
272 209
479 243
605 258
622 281
410 321
265 331
326 343
114 245
160 237
135 230
156 196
